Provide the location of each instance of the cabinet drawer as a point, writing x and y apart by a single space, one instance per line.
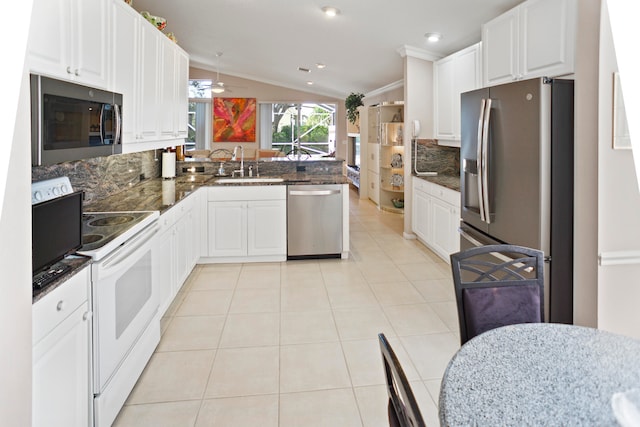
53 308
263 192
167 219
422 185
445 194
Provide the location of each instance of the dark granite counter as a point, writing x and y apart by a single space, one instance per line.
448 181
77 263
160 194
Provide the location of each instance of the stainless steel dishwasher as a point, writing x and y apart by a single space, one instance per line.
314 221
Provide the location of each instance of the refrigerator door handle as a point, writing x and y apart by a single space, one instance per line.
485 163
479 159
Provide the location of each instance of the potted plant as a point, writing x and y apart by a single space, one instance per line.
351 103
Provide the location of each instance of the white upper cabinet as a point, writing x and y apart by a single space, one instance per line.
174 91
69 40
455 74
152 73
534 39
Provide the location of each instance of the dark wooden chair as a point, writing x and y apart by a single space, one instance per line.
403 409
497 285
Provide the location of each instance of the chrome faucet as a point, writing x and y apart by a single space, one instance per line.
235 158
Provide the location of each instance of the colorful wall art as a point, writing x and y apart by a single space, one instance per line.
234 119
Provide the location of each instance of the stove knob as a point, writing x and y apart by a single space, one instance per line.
55 191
64 189
37 196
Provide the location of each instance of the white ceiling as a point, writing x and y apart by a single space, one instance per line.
267 40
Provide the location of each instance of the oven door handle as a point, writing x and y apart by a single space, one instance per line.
139 241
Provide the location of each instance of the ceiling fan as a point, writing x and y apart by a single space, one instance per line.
217 86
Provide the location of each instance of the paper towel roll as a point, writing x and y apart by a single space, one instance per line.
168 192
168 165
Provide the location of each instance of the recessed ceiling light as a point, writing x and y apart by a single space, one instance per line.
320 65
330 11
433 37
310 83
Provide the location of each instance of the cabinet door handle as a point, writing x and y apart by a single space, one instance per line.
68 70
60 305
87 315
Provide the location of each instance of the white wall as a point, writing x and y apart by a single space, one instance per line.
418 78
15 229
586 165
618 208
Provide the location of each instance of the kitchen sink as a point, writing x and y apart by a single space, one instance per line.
247 180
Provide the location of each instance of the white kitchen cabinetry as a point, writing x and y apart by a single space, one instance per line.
436 216
174 91
535 39
247 224
453 75
61 354
177 250
68 39
151 72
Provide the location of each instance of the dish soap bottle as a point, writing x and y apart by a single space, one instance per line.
221 169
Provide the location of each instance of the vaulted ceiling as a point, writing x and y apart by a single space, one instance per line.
269 40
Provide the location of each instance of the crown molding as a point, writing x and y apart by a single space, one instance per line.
416 52
387 88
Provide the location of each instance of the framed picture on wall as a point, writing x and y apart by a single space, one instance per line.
234 119
621 137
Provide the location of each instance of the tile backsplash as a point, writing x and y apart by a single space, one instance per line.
103 176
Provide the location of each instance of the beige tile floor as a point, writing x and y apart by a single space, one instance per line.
295 343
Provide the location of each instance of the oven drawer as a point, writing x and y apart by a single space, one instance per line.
52 309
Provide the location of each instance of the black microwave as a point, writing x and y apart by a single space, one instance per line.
73 122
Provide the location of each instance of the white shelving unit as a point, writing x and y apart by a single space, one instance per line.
386 151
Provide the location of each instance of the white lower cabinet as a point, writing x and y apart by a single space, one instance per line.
61 354
247 223
166 268
420 213
227 228
436 216
177 250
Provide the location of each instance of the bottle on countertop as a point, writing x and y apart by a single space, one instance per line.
180 153
221 169
250 170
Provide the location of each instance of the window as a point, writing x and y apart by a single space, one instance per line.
285 127
307 127
199 122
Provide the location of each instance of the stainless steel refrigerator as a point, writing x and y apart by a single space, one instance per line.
517 177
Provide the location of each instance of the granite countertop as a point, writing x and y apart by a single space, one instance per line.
159 194
539 374
449 181
77 263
